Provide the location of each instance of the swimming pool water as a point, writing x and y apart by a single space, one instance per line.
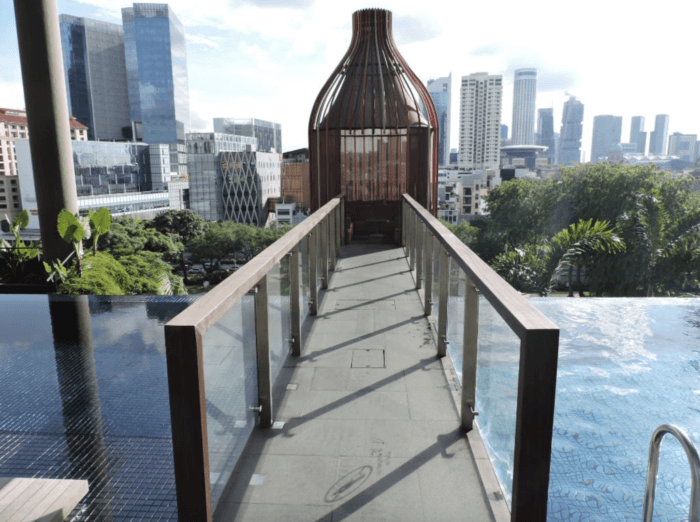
625 367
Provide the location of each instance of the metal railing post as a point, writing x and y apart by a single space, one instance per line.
419 252
262 350
428 256
404 244
342 221
313 272
331 231
470 346
188 420
444 294
294 307
411 240
534 422
338 229
323 230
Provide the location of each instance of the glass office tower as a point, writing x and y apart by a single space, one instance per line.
441 92
95 71
156 69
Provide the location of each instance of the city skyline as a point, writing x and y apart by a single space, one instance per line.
274 60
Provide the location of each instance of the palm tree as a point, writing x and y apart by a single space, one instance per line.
577 246
666 253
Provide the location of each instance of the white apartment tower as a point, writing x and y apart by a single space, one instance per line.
480 121
524 96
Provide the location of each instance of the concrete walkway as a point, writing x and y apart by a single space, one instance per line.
370 427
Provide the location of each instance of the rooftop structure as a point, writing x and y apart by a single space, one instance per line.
371 136
268 134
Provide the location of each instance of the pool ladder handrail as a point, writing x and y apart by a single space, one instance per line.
692 454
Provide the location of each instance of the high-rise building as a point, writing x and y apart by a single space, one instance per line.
545 132
441 92
524 95
683 146
637 134
269 134
295 177
657 140
571 131
156 71
504 131
607 132
480 121
95 71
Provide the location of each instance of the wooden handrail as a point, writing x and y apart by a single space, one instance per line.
517 312
210 308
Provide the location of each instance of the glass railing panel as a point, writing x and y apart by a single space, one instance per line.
304 292
319 258
278 315
436 277
497 391
231 386
455 315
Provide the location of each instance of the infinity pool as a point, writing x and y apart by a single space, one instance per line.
625 367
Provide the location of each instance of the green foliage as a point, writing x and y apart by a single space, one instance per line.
185 224
142 273
18 260
521 211
100 223
128 236
535 267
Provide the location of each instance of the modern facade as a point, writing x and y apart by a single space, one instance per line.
268 134
571 132
684 146
295 177
373 136
545 132
480 121
524 98
657 140
441 92
95 72
607 134
637 134
107 174
104 167
156 72
229 179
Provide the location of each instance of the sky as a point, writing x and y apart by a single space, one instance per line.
268 59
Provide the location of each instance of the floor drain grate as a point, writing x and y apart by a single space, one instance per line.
367 359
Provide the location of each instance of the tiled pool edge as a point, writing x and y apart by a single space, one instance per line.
487 475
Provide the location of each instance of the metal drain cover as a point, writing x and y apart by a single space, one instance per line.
367 359
365 304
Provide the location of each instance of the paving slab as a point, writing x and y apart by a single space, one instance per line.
368 427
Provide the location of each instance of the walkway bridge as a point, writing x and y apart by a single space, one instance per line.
313 384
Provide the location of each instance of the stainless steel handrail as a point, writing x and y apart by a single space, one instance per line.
692 454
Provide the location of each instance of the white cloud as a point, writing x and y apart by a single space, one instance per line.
202 40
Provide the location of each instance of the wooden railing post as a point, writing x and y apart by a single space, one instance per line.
262 350
188 421
470 345
534 422
294 307
442 307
